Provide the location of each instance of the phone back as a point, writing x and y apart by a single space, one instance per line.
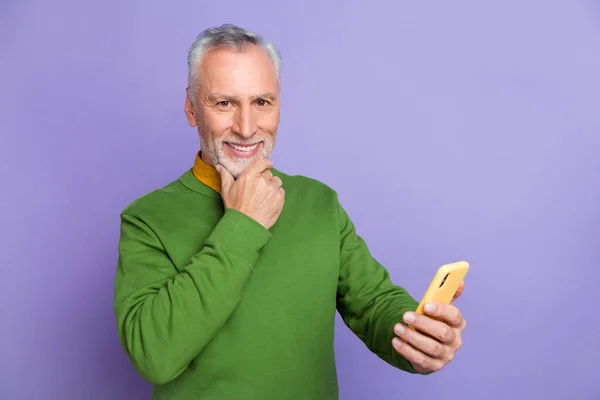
444 284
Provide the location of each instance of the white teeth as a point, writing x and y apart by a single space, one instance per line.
243 148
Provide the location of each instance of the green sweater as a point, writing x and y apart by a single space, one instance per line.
211 305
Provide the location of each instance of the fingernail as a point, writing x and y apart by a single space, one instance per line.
399 329
429 307
409 317
396 342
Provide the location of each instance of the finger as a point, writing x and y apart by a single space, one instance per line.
429 326
226 178
276 182
459 291
258 167
417 358
444 312
268 175
421 342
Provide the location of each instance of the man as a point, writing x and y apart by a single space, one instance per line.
229 277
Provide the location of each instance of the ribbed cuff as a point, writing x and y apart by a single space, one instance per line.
241 235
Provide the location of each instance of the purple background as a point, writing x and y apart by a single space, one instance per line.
451 129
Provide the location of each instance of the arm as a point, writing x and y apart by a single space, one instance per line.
368 302
166 317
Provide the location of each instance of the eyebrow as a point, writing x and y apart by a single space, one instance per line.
223 97
266 95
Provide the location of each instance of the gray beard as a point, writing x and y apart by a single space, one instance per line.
216 155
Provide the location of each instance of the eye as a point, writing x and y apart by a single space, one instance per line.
262 102
223 103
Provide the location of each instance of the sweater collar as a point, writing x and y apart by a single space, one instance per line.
204 178
206 173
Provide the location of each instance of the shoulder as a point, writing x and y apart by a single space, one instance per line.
155 200
305 185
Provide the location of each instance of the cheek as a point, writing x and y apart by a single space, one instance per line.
269 122
216 124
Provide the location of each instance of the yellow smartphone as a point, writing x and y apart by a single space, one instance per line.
444 284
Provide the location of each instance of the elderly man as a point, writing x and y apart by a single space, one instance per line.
229 277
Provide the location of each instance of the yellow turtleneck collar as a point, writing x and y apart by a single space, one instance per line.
206 174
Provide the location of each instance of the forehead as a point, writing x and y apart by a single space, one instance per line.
231 71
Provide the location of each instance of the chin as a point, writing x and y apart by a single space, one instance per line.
236 166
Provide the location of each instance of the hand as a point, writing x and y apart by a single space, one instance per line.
256 192
437 337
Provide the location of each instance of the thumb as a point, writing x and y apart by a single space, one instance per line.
226 178
459 291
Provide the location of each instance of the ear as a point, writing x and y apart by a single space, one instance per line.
189 109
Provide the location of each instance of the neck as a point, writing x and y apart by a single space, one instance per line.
206 160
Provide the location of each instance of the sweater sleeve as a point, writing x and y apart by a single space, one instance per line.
367 300
166 317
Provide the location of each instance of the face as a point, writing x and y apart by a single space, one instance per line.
237 107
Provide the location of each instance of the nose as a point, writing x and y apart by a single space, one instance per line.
244 122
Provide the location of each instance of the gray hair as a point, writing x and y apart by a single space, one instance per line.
227 35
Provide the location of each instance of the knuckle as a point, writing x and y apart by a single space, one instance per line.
456 315
437 349
445 333
438 365
457 318
279 197
422 361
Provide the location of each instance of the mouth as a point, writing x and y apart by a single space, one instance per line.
243 150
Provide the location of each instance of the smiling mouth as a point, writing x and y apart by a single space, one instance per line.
243 148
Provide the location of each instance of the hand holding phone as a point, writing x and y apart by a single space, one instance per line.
435 337
444 284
